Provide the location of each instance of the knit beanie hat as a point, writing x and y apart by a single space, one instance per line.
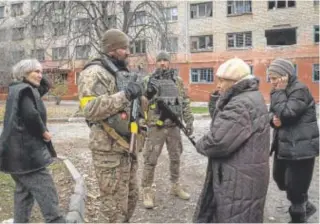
114 39
163 56
233 69
281 67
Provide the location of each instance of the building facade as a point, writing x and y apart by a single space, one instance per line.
203 34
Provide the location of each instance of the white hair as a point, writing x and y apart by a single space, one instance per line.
24 67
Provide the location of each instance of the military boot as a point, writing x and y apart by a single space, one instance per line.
148 197
178 191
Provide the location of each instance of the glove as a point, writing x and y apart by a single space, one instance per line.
133 90
153 87
189 128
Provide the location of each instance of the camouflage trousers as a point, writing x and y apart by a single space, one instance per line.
116 174
153 147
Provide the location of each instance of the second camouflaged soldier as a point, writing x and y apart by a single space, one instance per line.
105 90
171 91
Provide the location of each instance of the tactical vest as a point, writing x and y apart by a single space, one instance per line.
169 92
120 121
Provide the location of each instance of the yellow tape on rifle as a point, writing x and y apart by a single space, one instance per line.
134 127
85 100
153 106
159 122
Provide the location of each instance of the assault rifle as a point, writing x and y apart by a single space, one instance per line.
166 112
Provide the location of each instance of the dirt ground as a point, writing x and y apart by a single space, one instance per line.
71 140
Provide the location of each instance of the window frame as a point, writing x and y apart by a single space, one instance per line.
199 75
21 9
59 59
171 17
133 45
233 2
33 51
14 35
197 10
244 33
315 33
4 10
313 72
83 46
286 6
207 41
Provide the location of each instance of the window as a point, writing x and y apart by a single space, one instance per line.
17 9
170 45
18 33
201 43
315 75
35 5
17 55
38 54
316 34
112 21
281 4
251 69
239 40
171 14
38 31
82 51
316 2
59 5
3 35
201 10
59 29
140 18
238 7
82 25
201 75
1 12
280 37
138 47
59 53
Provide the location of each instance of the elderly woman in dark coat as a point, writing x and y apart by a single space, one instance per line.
237 147
25 144
296 137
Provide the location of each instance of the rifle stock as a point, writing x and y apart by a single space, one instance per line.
166 112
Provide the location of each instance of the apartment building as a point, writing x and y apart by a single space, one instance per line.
201 36
205 34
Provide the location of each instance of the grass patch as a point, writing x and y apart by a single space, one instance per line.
199 110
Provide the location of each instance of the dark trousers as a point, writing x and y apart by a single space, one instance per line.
37 186
294 177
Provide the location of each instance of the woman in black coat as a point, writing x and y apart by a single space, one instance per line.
295 138
25 144
237 147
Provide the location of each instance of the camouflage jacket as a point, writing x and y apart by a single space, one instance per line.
187 115
99 100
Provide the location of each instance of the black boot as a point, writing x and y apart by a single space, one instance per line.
310 210
298 213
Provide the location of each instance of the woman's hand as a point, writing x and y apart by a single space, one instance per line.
47 136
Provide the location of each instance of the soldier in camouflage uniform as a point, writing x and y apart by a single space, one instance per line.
169 89
105 98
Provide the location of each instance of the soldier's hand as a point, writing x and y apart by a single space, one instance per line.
133 90
152 88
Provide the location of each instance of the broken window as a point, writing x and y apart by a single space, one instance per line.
281 37
201 43
238 7
239 40
281 4
201 10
